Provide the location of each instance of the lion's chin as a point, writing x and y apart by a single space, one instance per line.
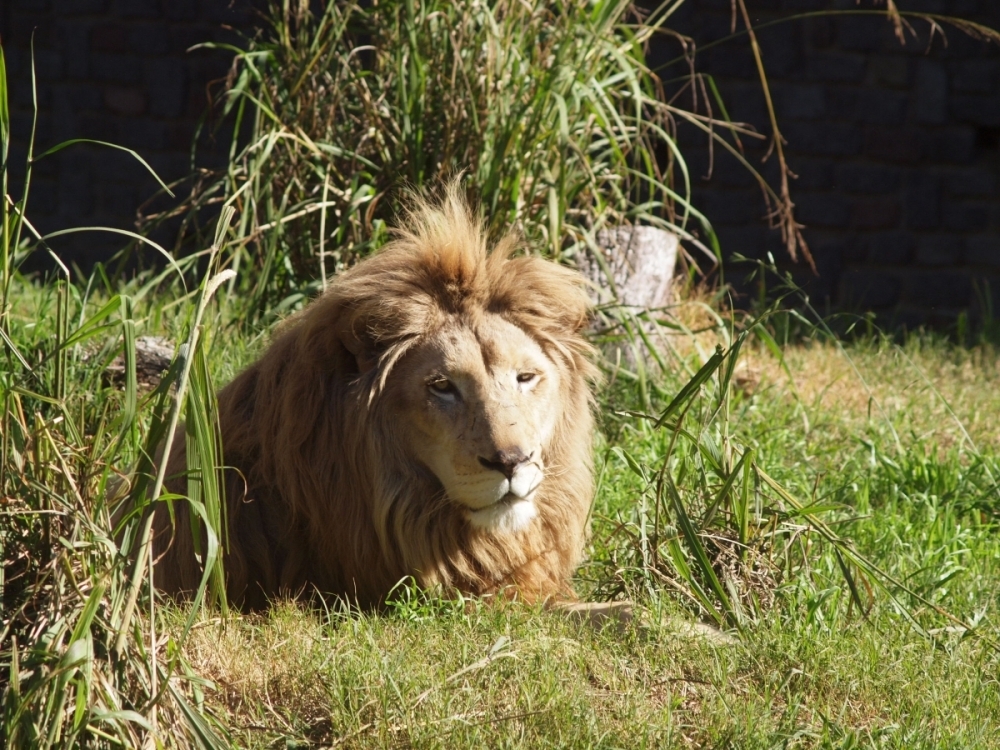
504 517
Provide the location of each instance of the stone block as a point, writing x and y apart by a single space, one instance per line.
63 121
839 67
74 41
141 8
45 169
891 71
977 109
930 92
78 7
877 212
811 173
223 11
853 249
955 144
166 79
99 127
869 290
799 102
181 10
738 63
117 166
42 202
129 101
149 39
49 65
109 37
181 134
860 33
965 216
890 248
119 200
84 97
822 138
116 68
867 179
170 165
726 171
828 210
881 106
966 8
938 250
974 76
975 181
144 135
841 100
21 96
961 46
829 263
939 289
983 250
821 32
731 206
185 36
75 195
923 202
782 43
903 145
748 241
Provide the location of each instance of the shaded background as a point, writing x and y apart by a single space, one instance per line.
117 71
897 149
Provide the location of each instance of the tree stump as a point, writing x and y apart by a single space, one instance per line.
641 262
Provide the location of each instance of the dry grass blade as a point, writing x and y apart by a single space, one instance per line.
783 214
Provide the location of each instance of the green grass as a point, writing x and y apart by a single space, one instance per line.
808 668
398 680
811 671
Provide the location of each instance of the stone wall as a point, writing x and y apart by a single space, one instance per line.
897 148
897 151
110 70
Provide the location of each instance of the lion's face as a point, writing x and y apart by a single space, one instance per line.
482 400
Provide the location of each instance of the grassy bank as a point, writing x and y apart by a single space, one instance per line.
890 447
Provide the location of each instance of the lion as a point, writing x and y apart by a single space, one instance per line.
430 415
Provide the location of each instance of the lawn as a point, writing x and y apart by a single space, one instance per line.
890 447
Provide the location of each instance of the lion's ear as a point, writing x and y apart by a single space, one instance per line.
359 354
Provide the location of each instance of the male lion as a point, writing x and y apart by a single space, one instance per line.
429 416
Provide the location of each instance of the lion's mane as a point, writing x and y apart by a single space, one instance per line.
322 493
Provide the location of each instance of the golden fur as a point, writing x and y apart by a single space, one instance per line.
400 426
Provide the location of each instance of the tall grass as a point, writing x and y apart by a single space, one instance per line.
81 660
549 110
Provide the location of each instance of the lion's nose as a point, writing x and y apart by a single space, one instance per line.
506 462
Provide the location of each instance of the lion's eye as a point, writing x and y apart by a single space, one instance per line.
526 378
442 386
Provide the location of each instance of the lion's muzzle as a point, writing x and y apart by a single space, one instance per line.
506 462
507 504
